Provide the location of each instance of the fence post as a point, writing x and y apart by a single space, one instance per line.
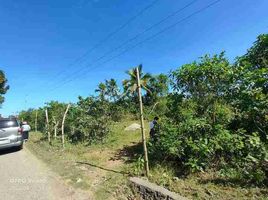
62 125
47 127
35 124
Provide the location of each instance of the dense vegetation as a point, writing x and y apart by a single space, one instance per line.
214 114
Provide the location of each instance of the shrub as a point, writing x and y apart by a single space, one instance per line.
92 121
197 146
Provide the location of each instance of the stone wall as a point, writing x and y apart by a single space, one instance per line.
151 191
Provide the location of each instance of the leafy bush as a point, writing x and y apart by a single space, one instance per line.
191 146
3 86
217 116
92 121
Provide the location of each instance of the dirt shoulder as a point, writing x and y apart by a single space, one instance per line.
92 170
23 176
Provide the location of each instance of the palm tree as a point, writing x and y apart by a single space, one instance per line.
112 89
130 85
102 90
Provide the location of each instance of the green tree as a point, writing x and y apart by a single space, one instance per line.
3 86
217 116
250 89
55 113
112 90
257 55
30 116
158 87
102 90
130 85
205 82
92 120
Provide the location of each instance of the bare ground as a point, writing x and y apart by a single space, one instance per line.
23 176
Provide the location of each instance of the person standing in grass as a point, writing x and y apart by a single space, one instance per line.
25 131
153 131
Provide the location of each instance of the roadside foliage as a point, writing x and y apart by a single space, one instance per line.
213 114
3 86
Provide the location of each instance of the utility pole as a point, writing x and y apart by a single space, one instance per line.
35 124
47 127
142 124
62 125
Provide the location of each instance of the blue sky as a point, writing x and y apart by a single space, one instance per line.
40 42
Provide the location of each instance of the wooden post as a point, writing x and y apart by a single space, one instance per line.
47 127
62 125
56 124
56 129
35 124
142 124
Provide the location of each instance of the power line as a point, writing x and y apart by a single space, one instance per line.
136 36
145 40
80 58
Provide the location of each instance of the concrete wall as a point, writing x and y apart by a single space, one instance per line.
151 191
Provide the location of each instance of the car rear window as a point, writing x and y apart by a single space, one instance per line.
8 123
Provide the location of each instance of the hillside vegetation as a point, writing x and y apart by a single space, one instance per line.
213 122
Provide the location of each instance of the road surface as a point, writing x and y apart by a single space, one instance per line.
24 177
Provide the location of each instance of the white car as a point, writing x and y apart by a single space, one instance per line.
10 134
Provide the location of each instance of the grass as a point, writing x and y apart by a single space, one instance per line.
100 169
103 169
203 186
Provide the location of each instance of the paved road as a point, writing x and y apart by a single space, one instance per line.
23 177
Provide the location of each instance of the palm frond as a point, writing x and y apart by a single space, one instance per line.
147 76
147 89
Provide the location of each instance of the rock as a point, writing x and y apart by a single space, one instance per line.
148 190
133 127
79 180
175 179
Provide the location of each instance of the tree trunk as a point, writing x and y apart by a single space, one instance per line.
47 127
62 125
56 130
35 124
